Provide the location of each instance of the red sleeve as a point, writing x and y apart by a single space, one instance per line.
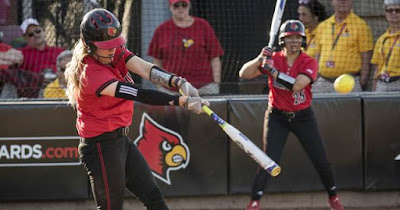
310 68
96 79
213 46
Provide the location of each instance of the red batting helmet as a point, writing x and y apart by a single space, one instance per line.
101 29
291 27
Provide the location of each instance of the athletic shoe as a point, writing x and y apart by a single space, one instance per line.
335 203
253 205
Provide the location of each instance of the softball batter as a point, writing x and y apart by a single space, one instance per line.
102 91
291 73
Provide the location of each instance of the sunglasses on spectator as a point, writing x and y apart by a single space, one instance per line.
180 4
37 31
389 10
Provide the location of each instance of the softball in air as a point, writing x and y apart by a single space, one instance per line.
344 83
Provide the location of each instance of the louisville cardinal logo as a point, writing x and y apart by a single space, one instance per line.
163 149
294 26
112 31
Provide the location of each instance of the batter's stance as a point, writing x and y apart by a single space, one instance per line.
102 91
291 73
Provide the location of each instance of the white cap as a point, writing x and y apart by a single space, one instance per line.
27 23
391 2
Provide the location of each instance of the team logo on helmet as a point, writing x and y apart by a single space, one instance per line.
163 149
294 26
112 31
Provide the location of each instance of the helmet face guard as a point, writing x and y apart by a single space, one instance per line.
112 43
292 27
101 29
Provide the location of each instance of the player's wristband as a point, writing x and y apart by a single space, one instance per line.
286 80
160 77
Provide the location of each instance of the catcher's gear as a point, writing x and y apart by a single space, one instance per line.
101 29
292 27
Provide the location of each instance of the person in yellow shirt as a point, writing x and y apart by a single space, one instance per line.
386 57
56 89
344 45
311 13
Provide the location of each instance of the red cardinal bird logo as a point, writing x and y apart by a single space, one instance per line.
163 149
112 31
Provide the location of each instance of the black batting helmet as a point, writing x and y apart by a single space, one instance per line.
292 27
101 29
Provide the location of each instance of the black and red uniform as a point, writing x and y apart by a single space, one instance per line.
112 161
290 111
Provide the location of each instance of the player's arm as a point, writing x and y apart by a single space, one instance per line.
129 91
250 69
158 62
254 68
159 76
291 83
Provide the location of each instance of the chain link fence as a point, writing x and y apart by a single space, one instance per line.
241 26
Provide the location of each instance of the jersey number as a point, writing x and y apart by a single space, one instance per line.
299 97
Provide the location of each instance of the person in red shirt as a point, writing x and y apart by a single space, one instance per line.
39 65
188 46
101 89
37 54
290 76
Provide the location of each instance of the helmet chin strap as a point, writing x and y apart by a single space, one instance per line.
106 57
111 57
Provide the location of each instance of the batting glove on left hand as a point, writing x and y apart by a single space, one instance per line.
195 104
187 89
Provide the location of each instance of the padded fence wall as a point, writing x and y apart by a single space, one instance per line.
38 153
382 142
38 160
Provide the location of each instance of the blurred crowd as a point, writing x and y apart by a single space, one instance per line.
342 44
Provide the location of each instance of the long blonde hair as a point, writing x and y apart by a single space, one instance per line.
75 72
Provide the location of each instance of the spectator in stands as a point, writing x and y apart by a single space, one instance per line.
386 57
57 88
311 13
9 58
188 46
344 45
39 58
